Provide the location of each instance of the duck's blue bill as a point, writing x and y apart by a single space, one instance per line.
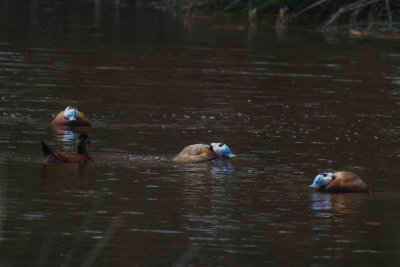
228 153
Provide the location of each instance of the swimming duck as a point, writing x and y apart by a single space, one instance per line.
202 152
340 182
81 156
70 117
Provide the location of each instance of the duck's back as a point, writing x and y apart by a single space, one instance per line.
67 157
195 153
347 182
60 120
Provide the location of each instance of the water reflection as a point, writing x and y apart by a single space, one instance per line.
330 210
216 169
290 104
208 202
342 203
222 169
65 170
321 202
281 21
68 135
3 189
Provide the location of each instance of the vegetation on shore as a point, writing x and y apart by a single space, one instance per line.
360 15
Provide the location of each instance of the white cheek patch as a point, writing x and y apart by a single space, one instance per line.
222 150
217 149
71 113
322 179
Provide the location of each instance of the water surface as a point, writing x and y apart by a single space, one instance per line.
289 104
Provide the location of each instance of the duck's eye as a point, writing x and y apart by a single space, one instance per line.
221 144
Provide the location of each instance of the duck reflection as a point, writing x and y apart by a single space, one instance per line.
222 169
208 202
218 168
208 183
50 171
68 135
331 211
321 202
343 203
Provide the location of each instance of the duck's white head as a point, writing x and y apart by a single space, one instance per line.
71 113
322 179
222 150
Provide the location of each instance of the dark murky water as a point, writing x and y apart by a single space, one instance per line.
289 104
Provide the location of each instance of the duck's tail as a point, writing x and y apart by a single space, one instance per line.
47 151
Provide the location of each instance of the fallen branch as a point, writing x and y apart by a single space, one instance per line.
309 7
389 13
350 7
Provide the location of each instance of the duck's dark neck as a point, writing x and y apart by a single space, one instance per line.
211 148
321 188
82 149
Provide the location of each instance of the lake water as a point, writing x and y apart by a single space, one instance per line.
290 104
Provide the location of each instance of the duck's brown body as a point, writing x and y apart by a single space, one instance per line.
345 182
81 156
66 157
195 154
61 120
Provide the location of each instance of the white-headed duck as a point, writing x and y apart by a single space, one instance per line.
202 152
340 182
81 156
71 117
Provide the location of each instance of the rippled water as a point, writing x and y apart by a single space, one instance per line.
289 104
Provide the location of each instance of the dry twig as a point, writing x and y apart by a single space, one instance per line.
347 8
